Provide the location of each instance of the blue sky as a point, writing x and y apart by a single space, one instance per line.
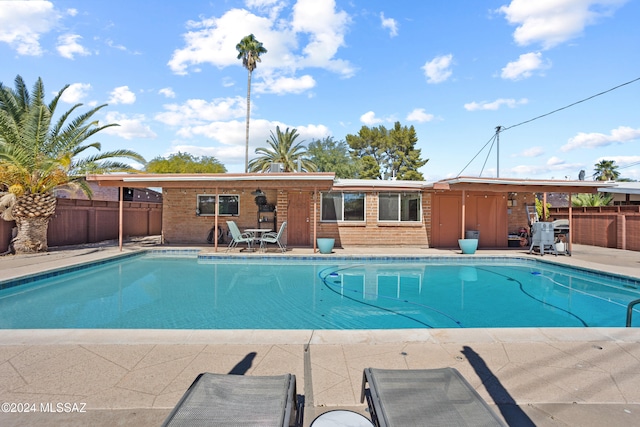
453 69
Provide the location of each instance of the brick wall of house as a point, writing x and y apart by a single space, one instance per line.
371 232
517 212
182 225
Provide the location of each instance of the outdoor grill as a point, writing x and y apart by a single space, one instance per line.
542 236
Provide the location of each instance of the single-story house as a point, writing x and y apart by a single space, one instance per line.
353 211
624 193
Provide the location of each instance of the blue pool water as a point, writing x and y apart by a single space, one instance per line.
162 292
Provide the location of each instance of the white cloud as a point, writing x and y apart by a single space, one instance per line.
310 132
167 92
321 27
494 105
369 118
531 152
284 85
122 95
75 93
133 127
72 12
551 23
437 70
22 23
196 112
113 45
325 29
213 41
593 140
525 66
231 134
553 164
68 46
227 154
390 24
420 116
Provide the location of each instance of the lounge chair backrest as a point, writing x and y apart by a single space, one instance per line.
282 227
233 228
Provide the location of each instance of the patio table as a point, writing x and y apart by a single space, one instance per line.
257 232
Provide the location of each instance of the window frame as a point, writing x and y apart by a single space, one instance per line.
219 198
341 217
400 207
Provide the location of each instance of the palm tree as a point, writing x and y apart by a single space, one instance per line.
587 199
249 49
606 170
282 149
38 154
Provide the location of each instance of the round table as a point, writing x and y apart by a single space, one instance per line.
341 418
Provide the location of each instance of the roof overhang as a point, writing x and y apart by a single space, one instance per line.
378 185
505 185
322 180
622 188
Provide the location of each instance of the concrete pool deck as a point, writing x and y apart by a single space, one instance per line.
530 376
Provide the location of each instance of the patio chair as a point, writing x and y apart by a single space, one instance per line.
238 237
273 237
230 400
418 397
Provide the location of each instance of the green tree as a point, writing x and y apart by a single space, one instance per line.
606 170
38 154
369 147
249 50
403 155
387 153
333 156
282 149
185 163
587 199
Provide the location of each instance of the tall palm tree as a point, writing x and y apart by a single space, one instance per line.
249 49
606 170
282 149
38 154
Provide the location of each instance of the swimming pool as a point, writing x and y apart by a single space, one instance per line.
155 291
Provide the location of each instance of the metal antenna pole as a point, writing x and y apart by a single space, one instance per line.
498 150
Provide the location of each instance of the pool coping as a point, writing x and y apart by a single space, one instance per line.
313 336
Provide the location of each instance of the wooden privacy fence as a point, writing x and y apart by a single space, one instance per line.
606 226
88 221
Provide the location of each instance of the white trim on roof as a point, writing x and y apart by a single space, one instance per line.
377 183
623 188
225 178
512 181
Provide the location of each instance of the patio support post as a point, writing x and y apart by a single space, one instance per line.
315 218
120 216
464 196
544 207
215 221
569 243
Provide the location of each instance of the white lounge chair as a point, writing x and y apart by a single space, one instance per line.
238 237
273 237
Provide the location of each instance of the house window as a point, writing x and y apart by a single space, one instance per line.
399 207
228 205
342 206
